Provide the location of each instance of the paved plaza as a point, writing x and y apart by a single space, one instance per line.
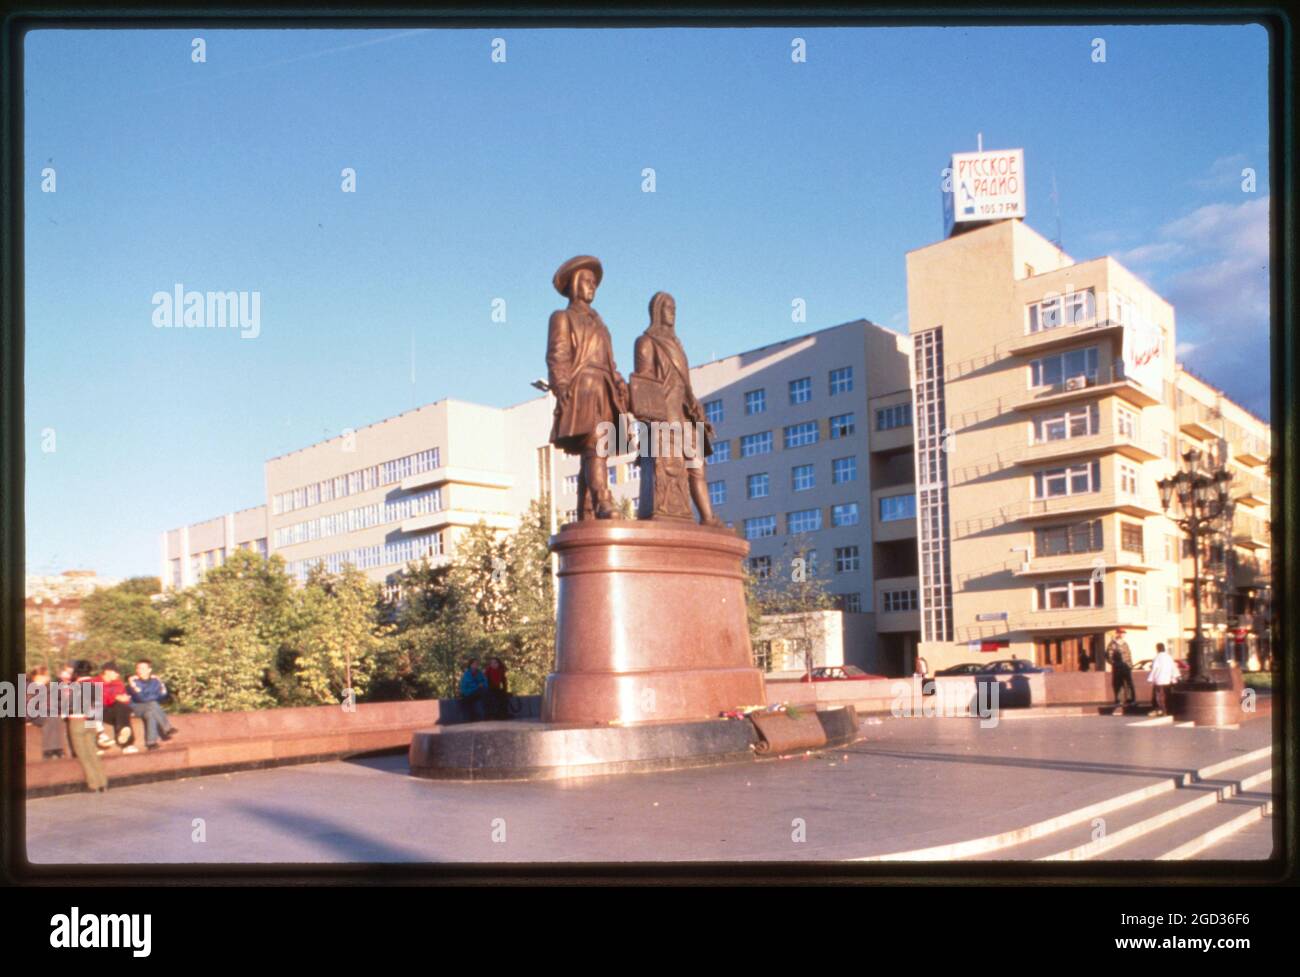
921 785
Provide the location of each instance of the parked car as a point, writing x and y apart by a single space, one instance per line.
838 673
965 668
1013 666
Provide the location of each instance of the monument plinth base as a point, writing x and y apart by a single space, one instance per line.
531 750
651 625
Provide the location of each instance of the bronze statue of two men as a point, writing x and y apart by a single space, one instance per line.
593 401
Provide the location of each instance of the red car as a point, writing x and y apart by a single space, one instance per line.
838 673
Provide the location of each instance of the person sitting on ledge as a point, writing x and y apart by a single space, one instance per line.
497 691
473 690
51 720
148 693
117 709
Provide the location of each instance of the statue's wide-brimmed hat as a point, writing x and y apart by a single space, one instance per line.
571 267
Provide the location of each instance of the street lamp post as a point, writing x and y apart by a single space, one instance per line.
1202 497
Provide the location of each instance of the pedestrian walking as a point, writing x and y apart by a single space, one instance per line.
1164 672
1121 664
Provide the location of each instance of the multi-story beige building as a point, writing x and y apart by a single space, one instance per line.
1048 405
813 453
1018 516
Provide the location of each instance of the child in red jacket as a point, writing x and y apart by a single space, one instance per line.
117 709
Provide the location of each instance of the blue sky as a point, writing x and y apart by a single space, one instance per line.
474 179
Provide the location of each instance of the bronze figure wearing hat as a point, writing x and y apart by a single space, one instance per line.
673 474
589 391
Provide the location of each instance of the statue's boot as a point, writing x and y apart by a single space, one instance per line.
712 521
606 508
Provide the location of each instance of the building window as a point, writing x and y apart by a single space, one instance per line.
1126 423
1166 446
1075 422
571 483
1131 591
756 486
1083 537
717 492
1173 600
847 559
801 390
755 401
844 470
845 514
721 452
1074 364
760 567
803 521
895 507
763 655
802 478
898 600
613 474
713 411
841 380
798 435
1130 537
850 603
756 444
176 573
897 415
1128 479
1171 549
570 515
760 527
1071 480
1063 310
1069 593
841 426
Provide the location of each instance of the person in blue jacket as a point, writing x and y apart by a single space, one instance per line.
474 689
147 693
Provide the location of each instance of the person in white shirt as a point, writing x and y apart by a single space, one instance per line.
1163 673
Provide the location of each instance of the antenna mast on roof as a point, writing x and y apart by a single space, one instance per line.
1056 210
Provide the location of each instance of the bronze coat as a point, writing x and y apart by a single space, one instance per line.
581 372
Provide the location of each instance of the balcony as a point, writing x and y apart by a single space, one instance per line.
885 530
1084 502
1251 533
1252 451
1107 559
456 517
1250 489
1102 383
895 621
1088 619
1199 420
1048 339
461 476
1130 446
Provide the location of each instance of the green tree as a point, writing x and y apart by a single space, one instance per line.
233 628
39 649
122 622
790 598
337 636
530 593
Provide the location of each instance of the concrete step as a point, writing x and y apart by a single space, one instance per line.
1101 829
1192 835
1252 842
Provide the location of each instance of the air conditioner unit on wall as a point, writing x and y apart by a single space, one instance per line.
1077 383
